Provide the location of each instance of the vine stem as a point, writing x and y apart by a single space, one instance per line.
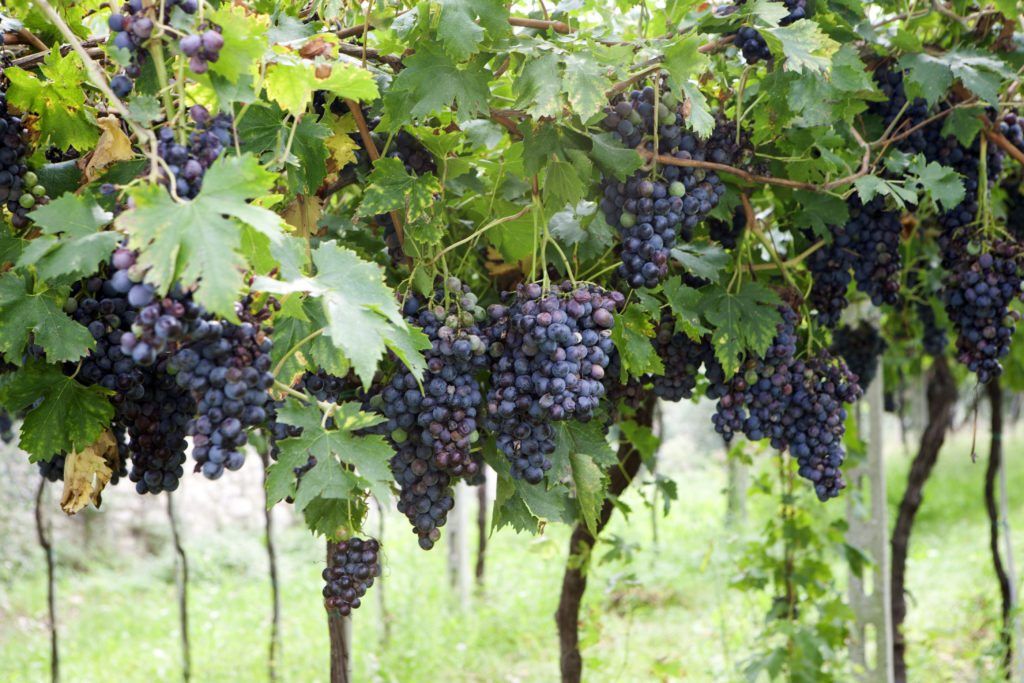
371 150
181 579
156 52
99 80
291 352
43 534
795 261
1000 141
766 243
477 233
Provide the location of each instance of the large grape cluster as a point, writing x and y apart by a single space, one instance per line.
20 190
874 249
188 163
860 348
131 29
794 403
551 350
349 574
651 212
226 367
443 414
682 358
981 283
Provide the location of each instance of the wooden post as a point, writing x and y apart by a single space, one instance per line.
275 592
181 582
868 531
482 503
458 545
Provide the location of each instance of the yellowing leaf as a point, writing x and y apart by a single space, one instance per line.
87 473
341 144
303 214
112 146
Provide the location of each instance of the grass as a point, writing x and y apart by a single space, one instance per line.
667 615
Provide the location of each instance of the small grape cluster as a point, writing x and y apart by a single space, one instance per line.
6 426
860 347
353 565
874 249
750 41
982 282
728 233
202 49
1012 128
19 187
796 404
189 163
132 28
1014 210
405 147
227 369
651 212
551 350
830 277
682 358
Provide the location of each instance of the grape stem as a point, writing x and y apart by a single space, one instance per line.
493 224
765 242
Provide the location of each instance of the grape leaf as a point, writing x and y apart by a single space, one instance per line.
244 41
70 416
642 438
805 45
195 242
26 311
340 142
539 86
67 258
458 30
363 319
87 473
307 166
59 101
391 188
703 261
291 85
632 336
744 321
71 215
587 438
432 82
349 81
685 304
585 83
943 184
548 504
926 76
562 184
589 480
613 158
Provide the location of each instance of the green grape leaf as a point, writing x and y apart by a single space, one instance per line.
582 226
348 81
66 258
585 84
964 124
632 335
582 453
244 41
432 82
26 311
71 215
642 438
562 183
614 159
685 304
744 321
703 261
510 509
59 101
363 318
459 31
944 185
539 86
926 76
69 418
806 47
307 166
549 504
391 188
196 242
291 85
870 185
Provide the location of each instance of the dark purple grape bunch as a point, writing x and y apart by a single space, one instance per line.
132 28
550 354
19 187
353 565
1012 128
860 347
227 369
651 212
159 322
202 48
874 246
439 410
829 267
157 424
1014 209
405 147
6 426
188 163
814 421
750 41
983 279
682 358
728 233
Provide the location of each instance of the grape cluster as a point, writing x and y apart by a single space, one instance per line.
551 350
157 425
1014 210
874 249
6 426
650 212
830 277
1012 128
860 348
131 28
981 283
425 490
349 574
443 415
933 338
19 187
189 163
797 404
405 147
226 367
750 41
682 358
202 49
728 233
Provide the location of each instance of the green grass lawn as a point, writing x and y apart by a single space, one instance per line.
668 615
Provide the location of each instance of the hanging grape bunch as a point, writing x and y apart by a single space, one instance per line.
19 187
728 233
188 164
202 49
651 210
354 563
682 358
752 44
551 350
859 347
131 29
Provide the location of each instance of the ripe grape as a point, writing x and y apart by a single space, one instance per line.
350 571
